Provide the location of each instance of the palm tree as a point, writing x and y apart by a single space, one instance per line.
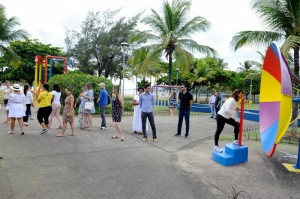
203 72
173 29
137 59
283 18
248 65
8 34
201 75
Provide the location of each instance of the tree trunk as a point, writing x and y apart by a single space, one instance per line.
170 69
296 84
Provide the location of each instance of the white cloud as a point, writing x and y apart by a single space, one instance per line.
47 20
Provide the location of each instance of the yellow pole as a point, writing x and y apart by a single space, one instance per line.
40 74
35 80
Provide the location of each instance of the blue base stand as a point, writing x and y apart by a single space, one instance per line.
231 155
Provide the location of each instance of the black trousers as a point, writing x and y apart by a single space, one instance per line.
150 117
220 126
27 113
43 114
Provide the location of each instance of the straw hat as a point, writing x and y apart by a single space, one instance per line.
16 87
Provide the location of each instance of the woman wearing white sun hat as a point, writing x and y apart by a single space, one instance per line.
16 104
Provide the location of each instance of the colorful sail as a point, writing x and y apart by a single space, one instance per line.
276 96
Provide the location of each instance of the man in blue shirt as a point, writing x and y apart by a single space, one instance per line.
146 102
102 103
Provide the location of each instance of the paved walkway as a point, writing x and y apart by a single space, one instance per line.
92 165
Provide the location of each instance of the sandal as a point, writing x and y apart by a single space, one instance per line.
22 133
82 128
72 135
114 137
60 135
90 128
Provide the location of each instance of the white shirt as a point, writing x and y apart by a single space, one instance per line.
28 97
136 98
56 96
7 92
228 110
212 99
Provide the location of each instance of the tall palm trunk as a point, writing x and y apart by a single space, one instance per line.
170 68
295 104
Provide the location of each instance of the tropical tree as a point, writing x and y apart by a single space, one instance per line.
282 19
138 68
201 75
97 46
171 35
247 65
8 33
26 51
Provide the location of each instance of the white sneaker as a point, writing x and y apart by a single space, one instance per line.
236 142
217 149
104 128
25 123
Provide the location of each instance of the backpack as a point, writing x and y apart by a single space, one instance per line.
108 99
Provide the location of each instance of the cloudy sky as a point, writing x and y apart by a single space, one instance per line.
48 20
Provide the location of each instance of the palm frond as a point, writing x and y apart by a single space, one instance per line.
193 26
292 41
156 22
254 38
275 15
184 59
193 46
145 58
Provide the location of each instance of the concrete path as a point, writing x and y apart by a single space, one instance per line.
92 165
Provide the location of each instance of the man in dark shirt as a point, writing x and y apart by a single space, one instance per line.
217 103
185 100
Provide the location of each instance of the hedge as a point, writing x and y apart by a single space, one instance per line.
77 80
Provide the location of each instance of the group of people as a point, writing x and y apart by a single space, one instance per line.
18 106
215 102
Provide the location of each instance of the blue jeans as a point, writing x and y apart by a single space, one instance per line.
150 117
212 109
186 115
102 114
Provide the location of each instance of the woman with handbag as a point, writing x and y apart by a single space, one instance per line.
88 107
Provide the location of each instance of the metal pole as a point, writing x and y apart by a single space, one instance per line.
123 74
297 166
124 46
241 122
250 89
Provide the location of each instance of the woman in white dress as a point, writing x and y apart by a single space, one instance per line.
137 114
16 105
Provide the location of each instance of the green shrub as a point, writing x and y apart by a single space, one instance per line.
128 106
77 80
